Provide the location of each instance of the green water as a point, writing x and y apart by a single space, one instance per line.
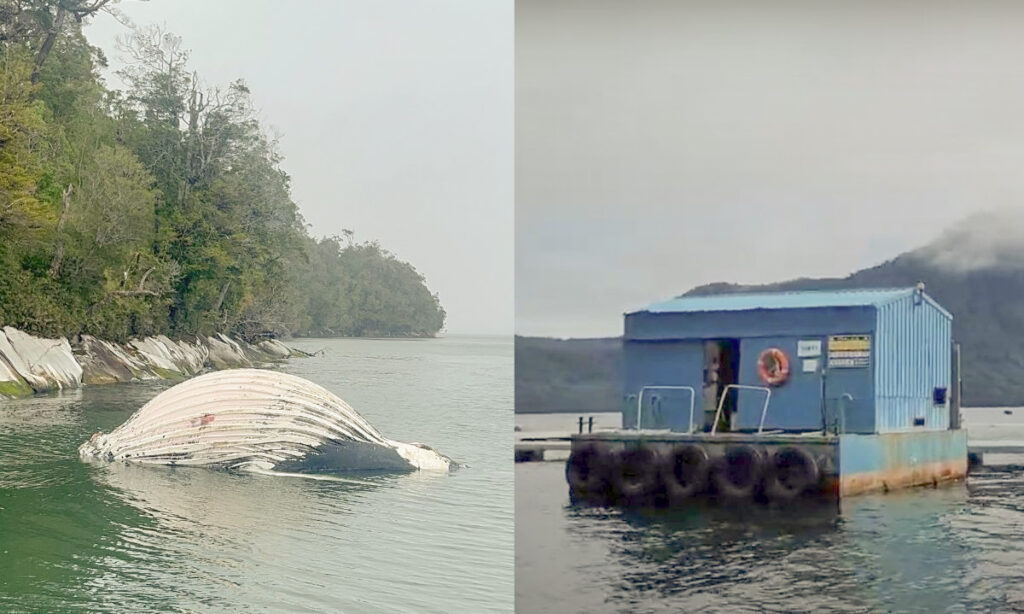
77 536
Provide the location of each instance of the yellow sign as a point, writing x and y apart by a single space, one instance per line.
849 343
849 351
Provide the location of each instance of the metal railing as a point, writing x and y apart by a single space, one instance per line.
725 392
640 401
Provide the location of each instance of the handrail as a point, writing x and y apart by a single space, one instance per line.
721 403
640 401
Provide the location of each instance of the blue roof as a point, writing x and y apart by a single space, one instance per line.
782 300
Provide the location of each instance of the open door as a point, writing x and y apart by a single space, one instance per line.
721 369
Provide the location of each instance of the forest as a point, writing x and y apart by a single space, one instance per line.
162 208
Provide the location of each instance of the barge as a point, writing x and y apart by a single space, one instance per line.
779 396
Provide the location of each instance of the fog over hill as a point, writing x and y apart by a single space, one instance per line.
975 270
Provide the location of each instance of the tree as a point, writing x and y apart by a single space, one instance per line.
22 137
164 208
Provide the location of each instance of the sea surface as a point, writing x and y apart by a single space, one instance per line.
956 548
85 537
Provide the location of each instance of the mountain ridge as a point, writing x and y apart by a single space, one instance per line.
975 271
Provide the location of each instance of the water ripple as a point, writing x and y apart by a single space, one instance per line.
953 548
102 537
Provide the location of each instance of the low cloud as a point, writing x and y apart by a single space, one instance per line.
992 239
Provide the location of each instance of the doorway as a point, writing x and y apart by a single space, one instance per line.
721 368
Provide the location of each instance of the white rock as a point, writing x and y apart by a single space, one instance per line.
198 354
188 360
15 385
106 362
226 353
7 374
45 364
275 348
18 365
161 353
154 353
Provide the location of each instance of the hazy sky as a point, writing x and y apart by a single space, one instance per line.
396 120
662 145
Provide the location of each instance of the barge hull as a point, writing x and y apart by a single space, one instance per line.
847 464
887 461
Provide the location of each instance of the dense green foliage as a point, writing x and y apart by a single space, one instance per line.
163 208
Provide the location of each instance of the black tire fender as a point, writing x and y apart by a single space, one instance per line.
587 469
790 472
684 472
737 473
636 474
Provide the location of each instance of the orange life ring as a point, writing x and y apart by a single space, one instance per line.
773 366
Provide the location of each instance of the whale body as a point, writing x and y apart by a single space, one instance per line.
260 420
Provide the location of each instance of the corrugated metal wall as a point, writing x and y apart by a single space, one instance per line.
912 357
670 363
909 358
796 405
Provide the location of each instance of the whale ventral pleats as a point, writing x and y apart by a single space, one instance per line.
255 418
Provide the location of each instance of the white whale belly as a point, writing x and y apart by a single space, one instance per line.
259 418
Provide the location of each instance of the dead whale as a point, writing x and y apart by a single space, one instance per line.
257 420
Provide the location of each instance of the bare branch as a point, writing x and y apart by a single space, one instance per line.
142 282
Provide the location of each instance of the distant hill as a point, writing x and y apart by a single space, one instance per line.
975 270
553 375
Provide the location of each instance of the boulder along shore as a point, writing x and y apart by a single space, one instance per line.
30 364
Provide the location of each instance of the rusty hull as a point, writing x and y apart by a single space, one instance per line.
899 460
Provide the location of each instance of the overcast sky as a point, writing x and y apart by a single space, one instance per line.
396 120
666 144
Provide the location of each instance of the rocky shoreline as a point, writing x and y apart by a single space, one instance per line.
30 365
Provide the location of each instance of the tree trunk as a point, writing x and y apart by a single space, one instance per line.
51 37
58 255
223 293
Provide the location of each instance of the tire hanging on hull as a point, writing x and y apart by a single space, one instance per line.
684 472
790 472
737 474
587 471
635 475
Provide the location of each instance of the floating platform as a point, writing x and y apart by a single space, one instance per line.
995 453
542 448
667 468
773 396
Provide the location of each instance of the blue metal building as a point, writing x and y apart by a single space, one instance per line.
859 361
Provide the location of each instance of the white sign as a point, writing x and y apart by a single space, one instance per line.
810 365
809 348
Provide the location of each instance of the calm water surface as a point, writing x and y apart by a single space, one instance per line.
958 548
114 538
